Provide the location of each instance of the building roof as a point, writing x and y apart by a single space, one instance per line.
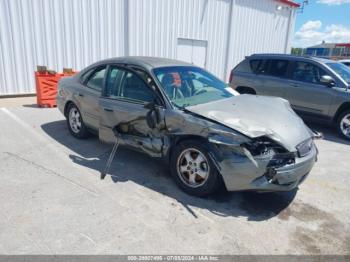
330 45
343 45
323 45
290 3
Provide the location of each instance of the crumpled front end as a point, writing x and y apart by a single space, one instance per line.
265 166
278 152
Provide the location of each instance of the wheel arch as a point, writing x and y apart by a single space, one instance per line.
341 109
176 140
245 90
66 106
215 155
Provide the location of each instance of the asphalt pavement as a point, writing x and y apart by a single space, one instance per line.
53 201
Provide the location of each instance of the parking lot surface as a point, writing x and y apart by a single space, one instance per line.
53 201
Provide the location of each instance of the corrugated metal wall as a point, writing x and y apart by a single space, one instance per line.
66 33
258 27
56 33
158 26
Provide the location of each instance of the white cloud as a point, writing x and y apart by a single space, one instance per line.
333 2
311 33
311 26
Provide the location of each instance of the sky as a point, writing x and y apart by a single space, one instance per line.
327 20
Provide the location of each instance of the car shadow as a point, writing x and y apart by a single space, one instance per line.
39 107
31 106
154 174
329 133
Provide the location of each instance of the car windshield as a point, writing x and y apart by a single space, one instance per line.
342 70
189 85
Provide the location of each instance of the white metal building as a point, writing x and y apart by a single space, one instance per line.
215 34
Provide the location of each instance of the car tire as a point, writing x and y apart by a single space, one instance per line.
343 124
75 122
193 170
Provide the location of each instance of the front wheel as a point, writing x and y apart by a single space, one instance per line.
343 124
193 169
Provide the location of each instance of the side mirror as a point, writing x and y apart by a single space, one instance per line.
327 80
155 116
152 119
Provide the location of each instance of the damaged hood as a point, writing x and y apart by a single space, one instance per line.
256 116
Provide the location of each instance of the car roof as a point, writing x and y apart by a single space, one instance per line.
293 57
148 62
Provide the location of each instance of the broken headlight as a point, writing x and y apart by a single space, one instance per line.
282 159
263 146
227 138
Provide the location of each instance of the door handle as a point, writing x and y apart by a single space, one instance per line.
108 110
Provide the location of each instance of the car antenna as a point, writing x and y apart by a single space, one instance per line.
112 154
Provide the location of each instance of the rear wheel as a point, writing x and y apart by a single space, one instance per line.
343 124
75 122
193 170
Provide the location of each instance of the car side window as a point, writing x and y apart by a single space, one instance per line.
133 88
113 82
307 72
95 81
278 68
127 85
258 66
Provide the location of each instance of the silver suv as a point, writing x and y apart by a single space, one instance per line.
318 89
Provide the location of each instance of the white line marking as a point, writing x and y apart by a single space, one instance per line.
89 238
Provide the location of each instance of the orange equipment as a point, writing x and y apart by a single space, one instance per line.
46 85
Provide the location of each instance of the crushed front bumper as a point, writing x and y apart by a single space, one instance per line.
242 173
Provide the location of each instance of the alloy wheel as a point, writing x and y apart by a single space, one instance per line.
75 120
193 167
345 125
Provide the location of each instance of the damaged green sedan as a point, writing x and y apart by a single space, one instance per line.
207 132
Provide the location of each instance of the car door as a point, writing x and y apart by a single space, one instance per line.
88 93
306 93
122 107
274 73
